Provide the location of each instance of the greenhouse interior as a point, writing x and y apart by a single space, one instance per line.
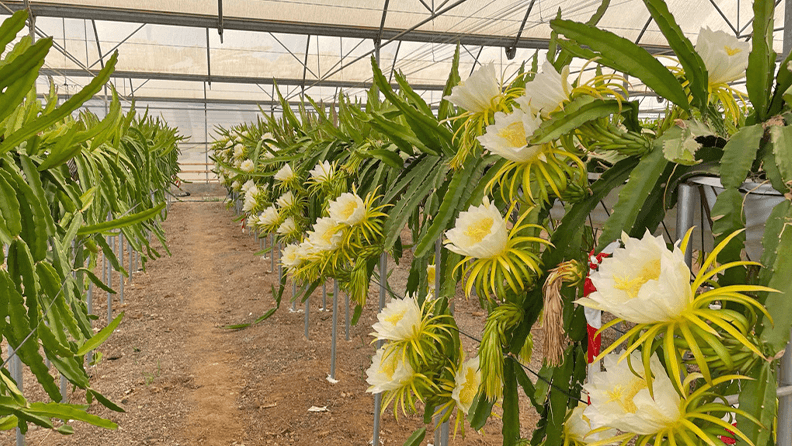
406 222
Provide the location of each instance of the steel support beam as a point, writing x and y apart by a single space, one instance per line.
102 56
224 79
511 50
43 9
305 63
208 63
787 29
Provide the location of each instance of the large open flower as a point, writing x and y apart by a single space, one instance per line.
478 93
239 151
643 282
480 232
467 382
285 173
246 166
286 200
347 209
291 256
724 55
690 325
620 399
578 428
326 235
269 216
508 137
547 91
287 227
249 184
322 172
400 320
388 372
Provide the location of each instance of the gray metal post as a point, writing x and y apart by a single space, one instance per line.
64 389
307 315
280 267
684 220
348 322
334 330
16 374
109 283
121 263
131 261
272 253
441 434
787 30
89 303
383 274
784 433
294 296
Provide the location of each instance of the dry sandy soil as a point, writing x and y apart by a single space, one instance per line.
184 380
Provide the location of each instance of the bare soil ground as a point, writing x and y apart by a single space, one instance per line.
184 380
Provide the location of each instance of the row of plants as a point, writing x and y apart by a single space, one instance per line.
68 179
338 185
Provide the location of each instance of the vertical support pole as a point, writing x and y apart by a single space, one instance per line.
787 30
684 220
383 277
441 434
348 321
131 261
109 282
334 336
294 296
121 262
784 432
324 297
272 253
307 314
89 303
16 375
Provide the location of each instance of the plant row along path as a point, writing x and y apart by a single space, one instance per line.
183 379
69 182
479 175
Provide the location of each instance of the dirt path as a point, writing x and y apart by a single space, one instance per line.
185 381
214 418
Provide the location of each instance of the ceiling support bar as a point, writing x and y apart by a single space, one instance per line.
511 50
110 51
725 19
208 62
220 19
305 64
293 55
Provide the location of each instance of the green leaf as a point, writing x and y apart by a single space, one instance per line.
781 140
122 222
511 405
9 205
449 208
96 280
625 56
11 27
44 121
105 401
642 183
69 412
739 154
761 61
779 304
416 438
691 62
578 112
99 338
386 156
480 411
758 398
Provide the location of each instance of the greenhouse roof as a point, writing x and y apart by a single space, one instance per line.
233 51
